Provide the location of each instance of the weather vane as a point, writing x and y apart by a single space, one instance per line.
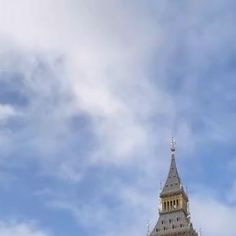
172 144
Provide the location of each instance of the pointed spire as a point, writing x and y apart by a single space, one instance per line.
173 182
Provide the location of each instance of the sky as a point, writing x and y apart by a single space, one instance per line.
90 94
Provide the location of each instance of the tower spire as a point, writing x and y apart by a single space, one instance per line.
173 182
173 213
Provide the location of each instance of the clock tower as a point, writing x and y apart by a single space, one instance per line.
174 215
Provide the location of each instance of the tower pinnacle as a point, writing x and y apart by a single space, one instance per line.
172 144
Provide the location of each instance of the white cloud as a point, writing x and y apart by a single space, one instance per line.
106 48
20 229
6 112
106 59
213 216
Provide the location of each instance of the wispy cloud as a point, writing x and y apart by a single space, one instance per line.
20 229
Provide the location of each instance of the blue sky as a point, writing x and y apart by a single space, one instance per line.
90 94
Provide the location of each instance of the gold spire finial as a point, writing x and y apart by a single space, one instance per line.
172 144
